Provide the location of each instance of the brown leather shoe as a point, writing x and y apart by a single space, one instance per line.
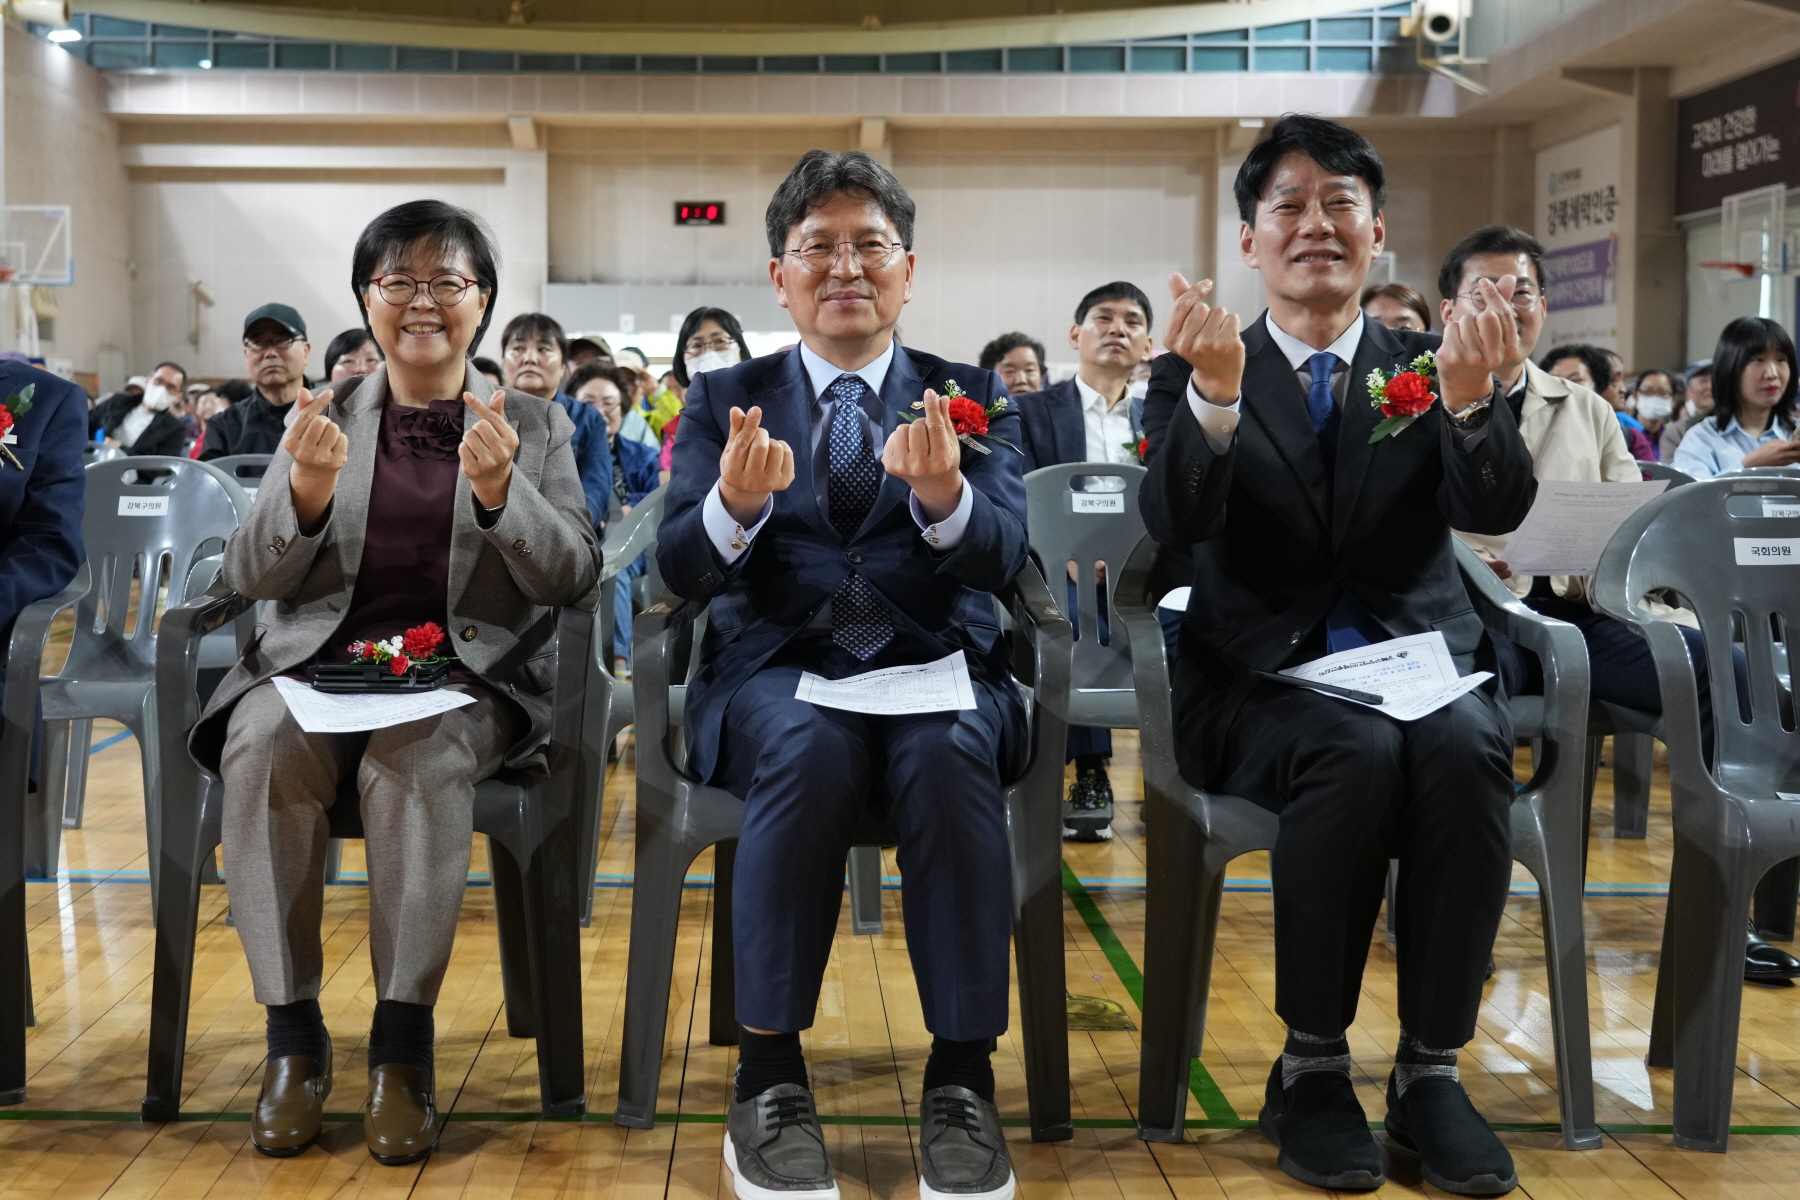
401 1122
291 1104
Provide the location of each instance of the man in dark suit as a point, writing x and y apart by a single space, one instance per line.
834 537
41 499
1091 417
1312 536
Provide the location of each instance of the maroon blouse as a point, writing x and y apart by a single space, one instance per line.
404 576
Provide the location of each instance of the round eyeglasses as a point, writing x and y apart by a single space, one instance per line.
871 254
446 289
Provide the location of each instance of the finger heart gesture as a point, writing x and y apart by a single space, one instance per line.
318 446
487 450
927 455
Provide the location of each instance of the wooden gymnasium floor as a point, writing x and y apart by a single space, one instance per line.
78 1135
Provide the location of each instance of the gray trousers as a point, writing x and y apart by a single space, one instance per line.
417 783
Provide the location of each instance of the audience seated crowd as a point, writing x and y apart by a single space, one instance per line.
416 485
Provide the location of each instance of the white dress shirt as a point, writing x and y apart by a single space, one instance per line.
731 539
1219 421
1108 433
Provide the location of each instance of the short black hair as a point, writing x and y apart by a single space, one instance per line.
1592 357
734 329
1005 344
1740 342
588 372
347 342
487 366
1338 148
443 227
536 325
234 390
169 363
1489 239
822 174
1116 290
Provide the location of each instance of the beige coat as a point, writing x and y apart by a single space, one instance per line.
504 582
1574 436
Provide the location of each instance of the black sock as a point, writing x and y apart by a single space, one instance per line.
765 1060
402 1033
1090 766
297 1028
1413 1060
962 1064
1313 1052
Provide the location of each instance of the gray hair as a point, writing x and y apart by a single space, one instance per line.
822 174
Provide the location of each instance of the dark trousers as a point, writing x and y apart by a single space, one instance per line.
808 775
1087 740
1354 788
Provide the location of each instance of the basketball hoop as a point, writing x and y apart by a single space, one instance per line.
1753 235
1746 270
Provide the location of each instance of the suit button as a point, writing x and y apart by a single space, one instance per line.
519 545
274 549
513 688
468 635
279 542
524 554
854 557
1293 639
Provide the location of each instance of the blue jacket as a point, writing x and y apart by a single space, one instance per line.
41 505
774 589
643 467
593 456
1055 428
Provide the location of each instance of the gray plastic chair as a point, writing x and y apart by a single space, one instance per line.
534 817
184 512
24 664
247 469
678 817
1085 528
1656 470
1732 825
1191 835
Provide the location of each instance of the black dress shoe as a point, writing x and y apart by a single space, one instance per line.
1435 1123
962 1149
775 1147
1322 1132
1765 963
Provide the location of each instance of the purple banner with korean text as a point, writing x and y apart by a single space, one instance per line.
1580 276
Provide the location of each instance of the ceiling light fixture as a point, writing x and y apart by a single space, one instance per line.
64 35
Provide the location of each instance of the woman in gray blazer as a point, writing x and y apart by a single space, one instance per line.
417 494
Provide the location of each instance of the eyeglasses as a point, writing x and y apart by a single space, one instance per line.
446 289
698 345
519 351
871 254
268 344
1524 299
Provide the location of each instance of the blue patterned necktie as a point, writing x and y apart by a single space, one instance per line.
1319 404
859 619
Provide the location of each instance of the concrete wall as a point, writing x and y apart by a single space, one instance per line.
62 148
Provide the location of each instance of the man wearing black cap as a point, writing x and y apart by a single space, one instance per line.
275 354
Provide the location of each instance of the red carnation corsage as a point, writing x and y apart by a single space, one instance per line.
11 409
967 418
1403 396
416 646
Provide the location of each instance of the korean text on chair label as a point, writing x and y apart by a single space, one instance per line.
1780 507
143 506
1767 552
1097 502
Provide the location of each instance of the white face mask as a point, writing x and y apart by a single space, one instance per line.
1655 408
712 360
157 398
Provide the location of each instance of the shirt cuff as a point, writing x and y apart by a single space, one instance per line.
946 534
1218 422
729 538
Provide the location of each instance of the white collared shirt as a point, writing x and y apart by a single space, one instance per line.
1108 427
1219 421
731 539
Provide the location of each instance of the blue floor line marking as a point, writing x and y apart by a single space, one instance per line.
1597 889
114 740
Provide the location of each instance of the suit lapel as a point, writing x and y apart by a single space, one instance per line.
899 390
1355 453
1274 400
361 417
1069 423
787 415
466 537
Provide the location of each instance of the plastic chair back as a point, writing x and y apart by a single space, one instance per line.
247 469
1071 525
155 531
1656 470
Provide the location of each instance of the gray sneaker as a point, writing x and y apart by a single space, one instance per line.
963 1149
1088 812
775 1148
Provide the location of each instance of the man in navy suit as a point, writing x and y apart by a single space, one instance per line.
1092 418
832 536
41 499
1316 532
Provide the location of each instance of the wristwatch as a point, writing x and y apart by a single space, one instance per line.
1474 416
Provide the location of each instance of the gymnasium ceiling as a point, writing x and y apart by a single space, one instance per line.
720 26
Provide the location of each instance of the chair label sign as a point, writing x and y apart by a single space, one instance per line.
143 506
1767 552
1780 506
1097 502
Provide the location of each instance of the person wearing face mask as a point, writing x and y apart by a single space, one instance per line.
711 339
1752 421
1655 394
149 427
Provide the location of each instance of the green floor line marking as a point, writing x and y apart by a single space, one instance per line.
1200 1081
600 1118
